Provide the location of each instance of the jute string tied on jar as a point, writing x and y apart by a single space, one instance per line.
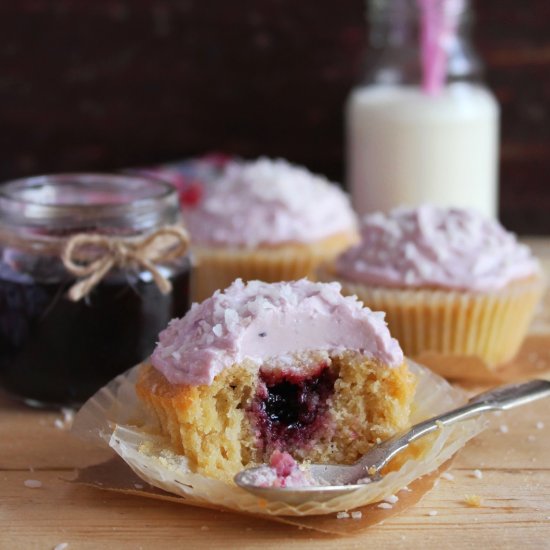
89 257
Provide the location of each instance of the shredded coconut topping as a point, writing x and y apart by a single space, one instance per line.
67 421
32 483
260 321
268 202
438 247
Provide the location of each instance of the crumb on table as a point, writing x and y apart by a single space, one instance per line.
474 501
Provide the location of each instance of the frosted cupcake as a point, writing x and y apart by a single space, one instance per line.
266 220
455 286
283 367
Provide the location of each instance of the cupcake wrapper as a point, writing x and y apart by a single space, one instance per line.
217 268
442 327
116 416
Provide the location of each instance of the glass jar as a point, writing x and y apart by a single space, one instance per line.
421 126
92 268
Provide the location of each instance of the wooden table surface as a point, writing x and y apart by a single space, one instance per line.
513 456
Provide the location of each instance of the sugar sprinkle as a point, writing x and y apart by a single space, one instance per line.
32 483
66 422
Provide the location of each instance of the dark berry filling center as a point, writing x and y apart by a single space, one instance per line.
290 409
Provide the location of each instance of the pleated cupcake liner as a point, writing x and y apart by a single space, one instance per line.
116 417
218 267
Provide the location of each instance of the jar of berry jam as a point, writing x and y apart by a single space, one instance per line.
92 268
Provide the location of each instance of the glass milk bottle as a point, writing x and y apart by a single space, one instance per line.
422 127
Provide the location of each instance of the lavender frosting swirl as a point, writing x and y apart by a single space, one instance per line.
268 202
436 247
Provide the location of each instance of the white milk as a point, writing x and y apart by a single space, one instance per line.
407 148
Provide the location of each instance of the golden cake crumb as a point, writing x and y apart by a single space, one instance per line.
146 447
474 501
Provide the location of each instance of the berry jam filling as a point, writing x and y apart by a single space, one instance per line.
290 409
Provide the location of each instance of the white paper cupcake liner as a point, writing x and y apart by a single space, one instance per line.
116 417
490 326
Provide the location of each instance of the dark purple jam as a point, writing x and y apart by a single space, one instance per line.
54 351
290 409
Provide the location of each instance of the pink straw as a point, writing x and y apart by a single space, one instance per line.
439 23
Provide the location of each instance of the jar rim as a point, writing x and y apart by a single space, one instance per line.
412 7
84 196
9 189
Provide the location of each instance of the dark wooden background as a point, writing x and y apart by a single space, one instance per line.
104 84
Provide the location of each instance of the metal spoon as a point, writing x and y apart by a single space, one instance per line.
332 480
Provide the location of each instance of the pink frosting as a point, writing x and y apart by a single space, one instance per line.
261 321
429 246
268 202
282 471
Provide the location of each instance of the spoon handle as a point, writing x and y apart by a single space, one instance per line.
501 398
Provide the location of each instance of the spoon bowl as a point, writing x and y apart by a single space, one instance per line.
298 495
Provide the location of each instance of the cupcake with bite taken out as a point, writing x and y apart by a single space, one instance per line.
262 369
266 220
455 286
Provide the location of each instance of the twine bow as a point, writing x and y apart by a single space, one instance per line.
164 245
